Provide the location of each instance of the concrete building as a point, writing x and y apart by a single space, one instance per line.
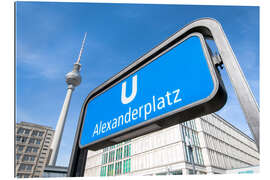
55 171
217 146
32 149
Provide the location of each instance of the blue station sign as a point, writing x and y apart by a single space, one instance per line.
171 84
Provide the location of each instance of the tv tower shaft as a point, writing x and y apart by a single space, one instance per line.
73 79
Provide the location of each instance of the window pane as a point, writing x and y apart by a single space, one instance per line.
126 150
40 133
124 167
25 158
34 133
32 158
22 167
111 170
20 130
31 141
26 131
35 149
29 167
106 157
111 156
121 152
101 171
188 154
116 155
18 138
120 167
38 141
20 148
18 156
129 149
116 168
24 139
28 149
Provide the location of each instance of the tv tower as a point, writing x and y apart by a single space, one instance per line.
73 79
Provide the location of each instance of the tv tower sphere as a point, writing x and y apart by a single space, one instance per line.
73 78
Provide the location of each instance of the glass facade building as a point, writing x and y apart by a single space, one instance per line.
216 146
115 159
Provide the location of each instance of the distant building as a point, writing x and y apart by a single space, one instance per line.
55 171
32 149
217 147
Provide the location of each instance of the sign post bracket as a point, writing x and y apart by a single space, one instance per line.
212 29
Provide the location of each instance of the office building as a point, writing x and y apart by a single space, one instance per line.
32 149
217 146
55 171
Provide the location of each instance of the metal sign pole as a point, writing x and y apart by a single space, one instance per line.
237 78
78 156
210 28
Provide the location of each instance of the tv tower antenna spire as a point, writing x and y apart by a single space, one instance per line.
81 50
73 79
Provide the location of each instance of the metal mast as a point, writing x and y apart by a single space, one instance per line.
73 79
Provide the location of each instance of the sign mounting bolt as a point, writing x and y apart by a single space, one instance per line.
217 60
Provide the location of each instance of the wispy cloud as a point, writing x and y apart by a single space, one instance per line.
248 56
38 63
232 112
129 13
22 115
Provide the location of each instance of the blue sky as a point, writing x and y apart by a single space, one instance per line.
49 36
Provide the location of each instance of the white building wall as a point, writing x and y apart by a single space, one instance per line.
93 163
226 146
222 146
156 149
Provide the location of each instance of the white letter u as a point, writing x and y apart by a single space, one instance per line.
124 99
